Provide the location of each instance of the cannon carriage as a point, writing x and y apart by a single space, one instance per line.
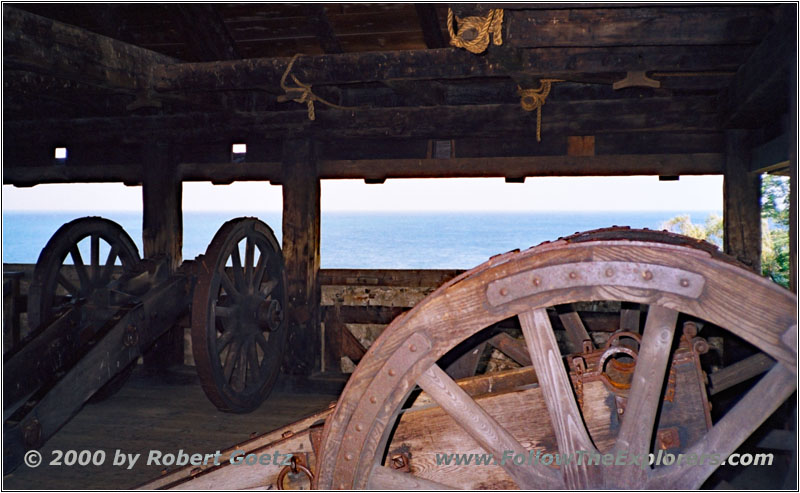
90 321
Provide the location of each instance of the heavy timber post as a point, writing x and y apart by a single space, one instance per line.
301 219
741 202
162 235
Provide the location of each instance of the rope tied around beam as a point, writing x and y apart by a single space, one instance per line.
483 26
302 93
534 99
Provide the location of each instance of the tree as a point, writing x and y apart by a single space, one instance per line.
710 231
774 228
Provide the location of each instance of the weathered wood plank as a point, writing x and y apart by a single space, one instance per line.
739 372
605 165
568 424
684 114
387 277
483 428
431 27
758 92
318 21
206 33
445 63
44 45
639 26
383 478
301 234
741 202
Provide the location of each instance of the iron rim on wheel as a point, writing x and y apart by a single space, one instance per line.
238 331
667 272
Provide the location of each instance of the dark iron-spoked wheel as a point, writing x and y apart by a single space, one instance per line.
673 275
238 331
78 265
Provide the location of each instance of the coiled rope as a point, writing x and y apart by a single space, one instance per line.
534 99
492 24
303 93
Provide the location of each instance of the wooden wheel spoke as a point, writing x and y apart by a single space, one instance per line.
261 267
95 257
730 432
568 425
231 359
108 268
252 359
71 288
248 264
262 341
80 268
384 478
482 427
648 380
224 340
240 373
227 285
238 272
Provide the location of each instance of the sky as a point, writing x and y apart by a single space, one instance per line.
636 193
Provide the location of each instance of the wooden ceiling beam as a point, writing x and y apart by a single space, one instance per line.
445 63
430 25
758 93
559 118
379 169
206 32
42 45
321 26
641 26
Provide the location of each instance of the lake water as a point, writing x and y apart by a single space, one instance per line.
399 240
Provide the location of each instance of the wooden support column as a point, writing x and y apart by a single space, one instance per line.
162 235
792 90
741 202
301 231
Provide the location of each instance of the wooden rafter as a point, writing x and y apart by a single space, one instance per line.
320 24
758 92
204 28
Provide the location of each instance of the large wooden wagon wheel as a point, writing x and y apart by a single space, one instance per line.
667 272
238 331
111 251
63 278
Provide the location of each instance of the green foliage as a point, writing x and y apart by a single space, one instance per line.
774 228
710 231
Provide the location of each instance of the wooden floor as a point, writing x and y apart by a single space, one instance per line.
165 413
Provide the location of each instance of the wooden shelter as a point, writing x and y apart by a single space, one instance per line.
156 95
